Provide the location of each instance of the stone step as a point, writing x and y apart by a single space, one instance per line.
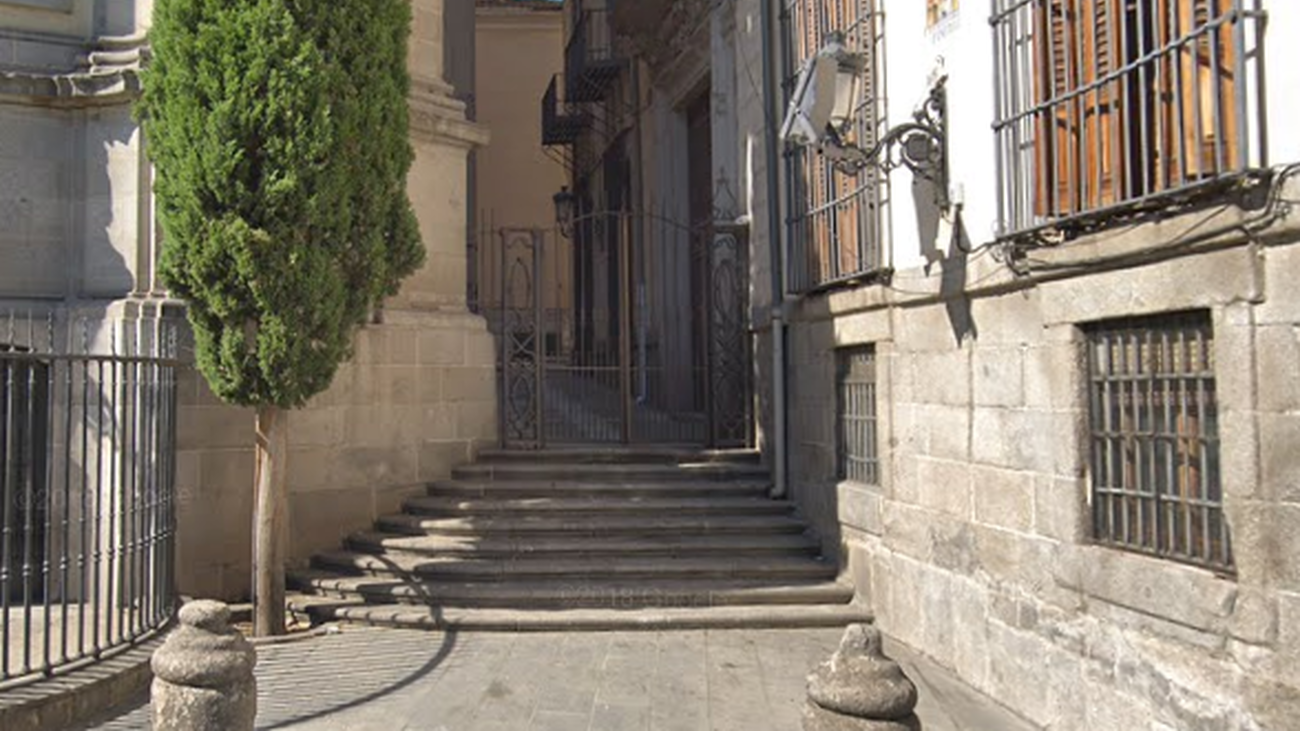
591 504
525 568
620 455
561 488
615 545
590 525
610 473
589 620
609 595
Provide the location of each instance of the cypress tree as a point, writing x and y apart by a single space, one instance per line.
278 132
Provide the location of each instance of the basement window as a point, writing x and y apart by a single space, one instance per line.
1154 447
855 415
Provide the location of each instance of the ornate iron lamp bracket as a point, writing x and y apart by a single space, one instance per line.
920 145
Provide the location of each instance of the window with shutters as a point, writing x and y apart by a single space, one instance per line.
1107 106
834 219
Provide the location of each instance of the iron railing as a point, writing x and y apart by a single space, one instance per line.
834 219
591 63
855 423
1156 474
87 444
1110 107
560 125
624 327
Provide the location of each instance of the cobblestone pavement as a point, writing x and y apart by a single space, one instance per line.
364 679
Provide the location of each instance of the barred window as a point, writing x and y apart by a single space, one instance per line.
834 223
855 415
1156 478
1103 104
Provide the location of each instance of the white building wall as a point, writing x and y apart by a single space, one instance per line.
1282 47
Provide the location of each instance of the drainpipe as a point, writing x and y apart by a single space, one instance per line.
774 226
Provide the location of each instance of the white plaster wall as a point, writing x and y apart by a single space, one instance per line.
962 48
1283 67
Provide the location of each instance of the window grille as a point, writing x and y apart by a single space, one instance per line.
834 218
855 422
1104 106
1156 478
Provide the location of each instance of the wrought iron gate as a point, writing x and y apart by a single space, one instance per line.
623 328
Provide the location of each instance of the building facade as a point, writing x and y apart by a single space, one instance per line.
78 246
1031 370
519 49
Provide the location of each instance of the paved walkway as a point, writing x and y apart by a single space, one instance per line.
735 680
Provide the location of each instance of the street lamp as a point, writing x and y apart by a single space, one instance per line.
564 205
825 96
822 113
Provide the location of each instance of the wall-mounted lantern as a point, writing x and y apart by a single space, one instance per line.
565 202
821 115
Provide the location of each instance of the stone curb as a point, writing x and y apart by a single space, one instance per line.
64 701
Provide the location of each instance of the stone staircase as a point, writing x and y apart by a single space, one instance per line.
585 540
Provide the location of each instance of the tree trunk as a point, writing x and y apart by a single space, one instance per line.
271 524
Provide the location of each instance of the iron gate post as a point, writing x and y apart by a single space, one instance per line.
625 321
539 339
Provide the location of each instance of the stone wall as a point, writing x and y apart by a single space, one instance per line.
976 546
417 399
78 238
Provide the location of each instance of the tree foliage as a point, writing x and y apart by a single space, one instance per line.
278 130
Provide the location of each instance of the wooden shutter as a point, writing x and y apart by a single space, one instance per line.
1198 104
1078 153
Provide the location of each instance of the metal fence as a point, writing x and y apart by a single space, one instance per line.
1106 107
625 327
835 218
1156 476
87 444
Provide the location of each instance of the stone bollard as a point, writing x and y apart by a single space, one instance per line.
859 689
203 674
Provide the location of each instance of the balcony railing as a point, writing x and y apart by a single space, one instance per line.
591 62
560 125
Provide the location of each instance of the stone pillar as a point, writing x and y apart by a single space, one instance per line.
859 689
203 674
442 137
